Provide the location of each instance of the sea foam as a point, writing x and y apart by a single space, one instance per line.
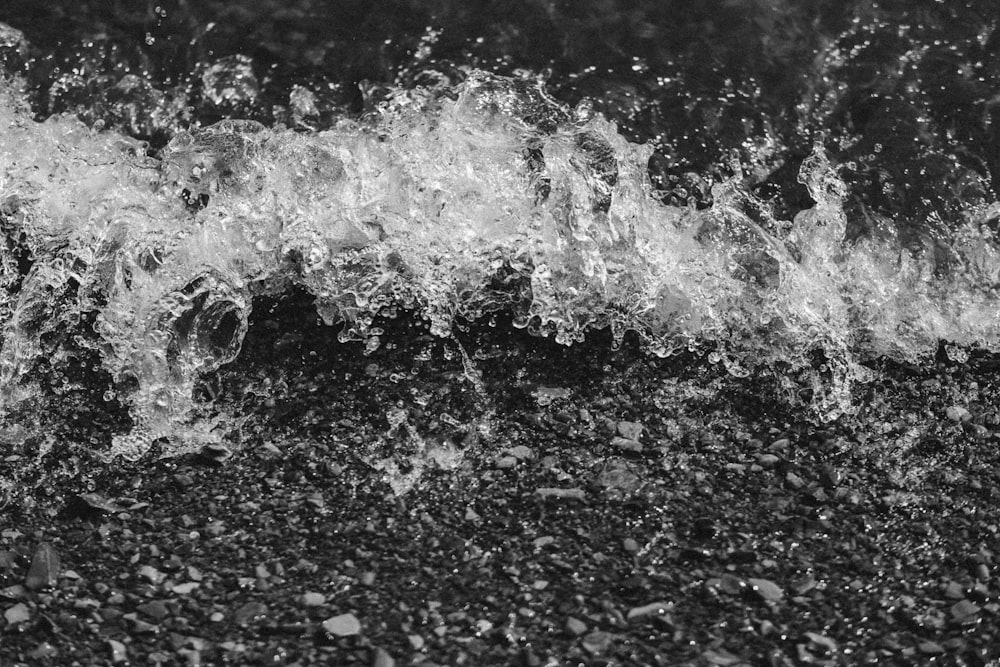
456 203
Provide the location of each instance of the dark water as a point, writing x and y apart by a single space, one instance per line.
790 188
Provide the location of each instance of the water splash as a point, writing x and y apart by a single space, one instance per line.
456 202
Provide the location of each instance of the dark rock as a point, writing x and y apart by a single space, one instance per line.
767 590
249 613
44 569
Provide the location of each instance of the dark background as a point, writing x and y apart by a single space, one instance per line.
905 95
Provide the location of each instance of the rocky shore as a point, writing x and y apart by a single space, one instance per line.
496 499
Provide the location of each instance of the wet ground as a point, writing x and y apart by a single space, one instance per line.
697 521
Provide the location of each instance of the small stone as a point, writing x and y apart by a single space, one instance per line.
381 658
416 641
982 572
19 613
597 642
98 503
44 570
249 612
766 589
964 610
767 460
483 626
560 494
186 588
794 480
630 545
117 651
344 625
626 444
957 413
313 599
575 626
155 609
42 651
823 641
651 609
954 591
630 430
151 574
930 648
779 445
521 452
506 462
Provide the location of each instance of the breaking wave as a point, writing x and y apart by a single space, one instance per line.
454 202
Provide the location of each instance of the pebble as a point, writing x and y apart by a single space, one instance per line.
630 430
575 626
44 568
767 460
155 609
766 589
17 614
627 444
651 609
505 462
313 599
249 613
381 658
185 588
344 625
964 610
117 651
597 642
521 452
779 445
151 574
630 545
957 413
561 494
42 651
794 480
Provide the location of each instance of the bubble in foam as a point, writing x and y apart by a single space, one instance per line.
455 202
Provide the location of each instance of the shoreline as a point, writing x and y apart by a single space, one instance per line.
575 505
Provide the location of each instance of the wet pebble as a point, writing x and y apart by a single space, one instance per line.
155 609
344 625
381 658
249 612
767 460
117 651
313 599
651 609
575 626
766 589
44 568
597 642
957 413
626 444
560 494
630 430
16 614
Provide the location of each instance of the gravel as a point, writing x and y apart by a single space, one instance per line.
743 532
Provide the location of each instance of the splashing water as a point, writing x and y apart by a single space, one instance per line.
453 201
